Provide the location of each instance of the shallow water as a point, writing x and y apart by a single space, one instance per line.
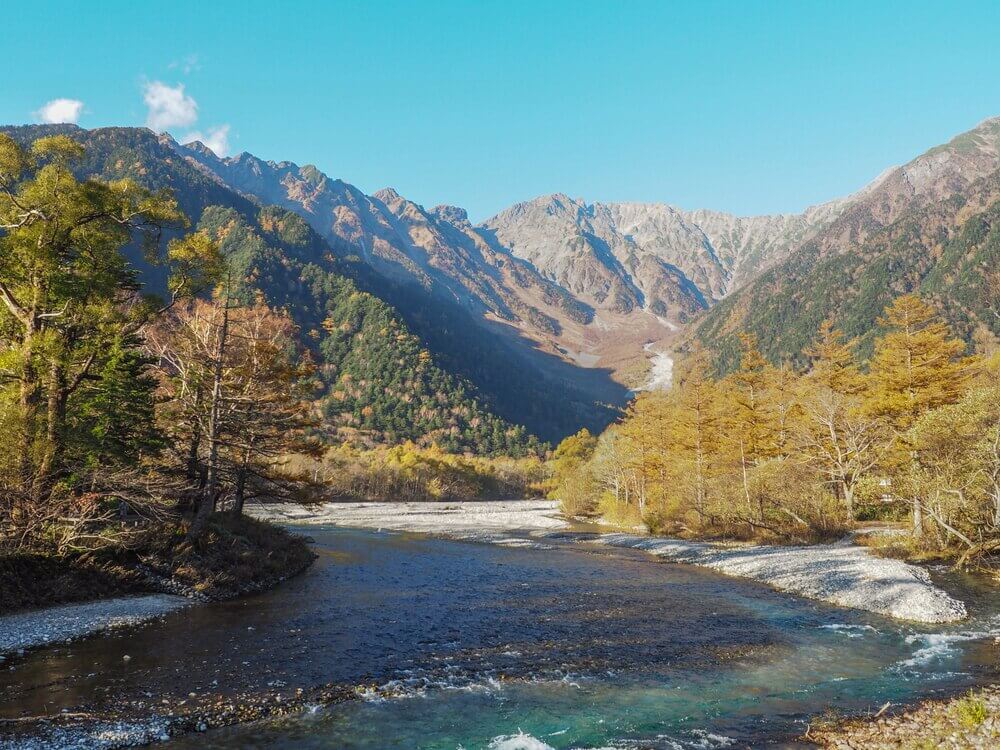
460 645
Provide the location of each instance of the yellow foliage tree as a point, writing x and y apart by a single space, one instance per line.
917 366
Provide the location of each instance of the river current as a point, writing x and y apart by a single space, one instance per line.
461 645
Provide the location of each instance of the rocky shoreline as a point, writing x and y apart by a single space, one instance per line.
35 629
969 722
138 722
841 574
144 722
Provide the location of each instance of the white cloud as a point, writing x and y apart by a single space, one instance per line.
169 106
60 110
216 139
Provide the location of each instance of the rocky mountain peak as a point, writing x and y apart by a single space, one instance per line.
387 195
451 214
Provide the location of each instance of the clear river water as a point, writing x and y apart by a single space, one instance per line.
461 645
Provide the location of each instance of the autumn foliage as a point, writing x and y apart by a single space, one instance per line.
771 453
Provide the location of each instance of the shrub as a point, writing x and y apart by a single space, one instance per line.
971 711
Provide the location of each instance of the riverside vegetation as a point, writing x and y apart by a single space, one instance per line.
771 453
409 472
131 420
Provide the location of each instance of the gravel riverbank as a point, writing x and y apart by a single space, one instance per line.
33 629
839 574
451 519
971 722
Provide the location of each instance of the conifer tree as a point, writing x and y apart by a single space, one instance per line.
69 294
696 429
832 362
917 366
750 422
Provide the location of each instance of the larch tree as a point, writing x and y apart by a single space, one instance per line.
750 420
917 366
835 435
269 413
832 362
697 429
232 377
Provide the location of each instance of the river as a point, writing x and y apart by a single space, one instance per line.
463 645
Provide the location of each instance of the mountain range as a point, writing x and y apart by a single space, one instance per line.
587 283
544 315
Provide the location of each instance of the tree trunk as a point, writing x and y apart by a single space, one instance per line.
848 499
195 445
241 480
29 402
918 518
746 483
55 420
211 492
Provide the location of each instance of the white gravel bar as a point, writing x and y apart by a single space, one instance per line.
839 574
462 519
43 627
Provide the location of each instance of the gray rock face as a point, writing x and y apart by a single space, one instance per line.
574 274
671 261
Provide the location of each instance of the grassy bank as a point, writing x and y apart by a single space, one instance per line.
235 555
412 473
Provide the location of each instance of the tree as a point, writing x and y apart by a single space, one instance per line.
569 476
835 436
917 366
750 420
838 439
75 392
832 362
70 297
269 413
232 375
958 467
697 429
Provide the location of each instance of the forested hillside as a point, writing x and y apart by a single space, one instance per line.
929 228
490 317
378 381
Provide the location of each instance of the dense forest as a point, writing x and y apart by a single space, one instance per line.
377 382
773 452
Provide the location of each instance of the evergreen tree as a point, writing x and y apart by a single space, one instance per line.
70 295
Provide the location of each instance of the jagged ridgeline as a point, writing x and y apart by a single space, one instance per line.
931 227
377 381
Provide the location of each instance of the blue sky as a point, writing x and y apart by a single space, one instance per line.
750 107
